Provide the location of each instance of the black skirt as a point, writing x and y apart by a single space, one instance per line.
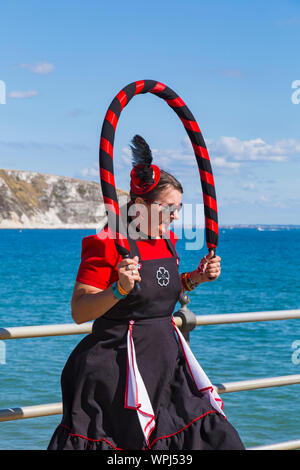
136 338
94 381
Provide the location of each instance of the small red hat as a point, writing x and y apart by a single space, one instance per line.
139 187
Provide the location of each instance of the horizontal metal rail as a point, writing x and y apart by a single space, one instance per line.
35 411
286 445
253 384
247 317
36 331
17 332
10 414
85 328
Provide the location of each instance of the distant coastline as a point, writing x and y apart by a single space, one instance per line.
263 226
256 226
229 226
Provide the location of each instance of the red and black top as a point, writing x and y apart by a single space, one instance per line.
99 257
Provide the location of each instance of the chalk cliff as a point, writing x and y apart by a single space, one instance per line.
29 199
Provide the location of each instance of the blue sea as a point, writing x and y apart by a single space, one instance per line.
260 271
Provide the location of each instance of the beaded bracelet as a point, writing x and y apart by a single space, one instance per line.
187 279
188 284
193 284
185 282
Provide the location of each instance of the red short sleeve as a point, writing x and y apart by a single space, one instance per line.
99 260
99 257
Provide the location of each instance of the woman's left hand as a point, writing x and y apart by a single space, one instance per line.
210 268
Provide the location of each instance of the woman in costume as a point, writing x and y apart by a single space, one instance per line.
133 383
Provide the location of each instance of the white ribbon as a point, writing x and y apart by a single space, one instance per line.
136 396
200 378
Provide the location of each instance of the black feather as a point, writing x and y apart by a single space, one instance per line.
142 155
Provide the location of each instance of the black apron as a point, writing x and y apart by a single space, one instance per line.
129 385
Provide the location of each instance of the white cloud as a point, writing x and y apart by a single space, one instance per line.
41 68
249 186
254 149
280 205
221 162
89 172
16 94
126 157
232 149
226 153
232 153
264 198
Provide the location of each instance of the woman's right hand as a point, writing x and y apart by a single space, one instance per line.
127 278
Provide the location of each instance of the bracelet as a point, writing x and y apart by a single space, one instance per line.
193 284
185 282
182 281
116 291
123 291
188 284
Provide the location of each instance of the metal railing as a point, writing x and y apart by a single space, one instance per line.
187 321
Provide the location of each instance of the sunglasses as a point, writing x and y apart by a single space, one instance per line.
166 208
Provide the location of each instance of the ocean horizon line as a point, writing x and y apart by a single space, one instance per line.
190 226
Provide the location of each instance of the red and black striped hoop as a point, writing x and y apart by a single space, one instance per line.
107 170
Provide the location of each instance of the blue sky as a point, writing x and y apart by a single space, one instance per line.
232 62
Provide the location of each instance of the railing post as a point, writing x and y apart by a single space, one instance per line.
189 319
